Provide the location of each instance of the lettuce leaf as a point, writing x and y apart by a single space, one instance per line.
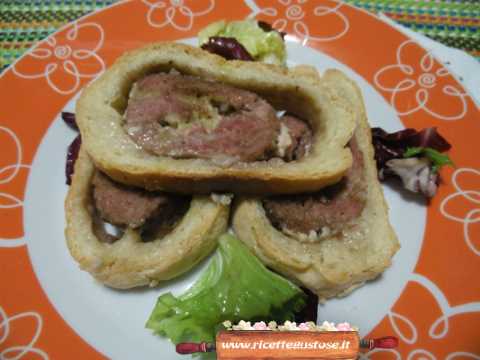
266 46
235 286
437 158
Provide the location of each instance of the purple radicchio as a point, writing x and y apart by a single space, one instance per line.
73 148
413 156
267 28
310 311
69 119
228 48
394 145
72 155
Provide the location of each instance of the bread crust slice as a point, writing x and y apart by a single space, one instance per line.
320 100
129 262
332 266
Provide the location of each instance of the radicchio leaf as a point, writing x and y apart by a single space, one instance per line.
384 152
72 155
413 156
229 48
267 28
417 175
394 145
430 138
310 311
69 119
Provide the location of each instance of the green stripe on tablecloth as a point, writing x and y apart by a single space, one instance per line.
448 13
453 23
24 23
465 8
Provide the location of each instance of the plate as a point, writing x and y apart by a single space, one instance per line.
49 309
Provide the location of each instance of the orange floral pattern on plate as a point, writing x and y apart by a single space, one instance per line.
416 85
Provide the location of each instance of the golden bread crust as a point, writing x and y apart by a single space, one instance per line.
129 262
321 101
332 266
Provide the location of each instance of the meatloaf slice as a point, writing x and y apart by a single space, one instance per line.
184 116
326 211
122 205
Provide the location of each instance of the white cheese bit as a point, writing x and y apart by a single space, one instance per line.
112 230
132 130
326 231
222 199
153 283
311 237
224 161
284 140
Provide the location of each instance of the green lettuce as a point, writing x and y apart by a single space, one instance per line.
437 158
235 286
263 46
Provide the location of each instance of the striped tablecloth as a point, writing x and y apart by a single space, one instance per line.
454 23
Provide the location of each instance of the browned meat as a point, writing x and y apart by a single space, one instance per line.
300 135
188 117
333 207
125 206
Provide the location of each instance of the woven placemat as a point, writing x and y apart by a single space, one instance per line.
452 22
